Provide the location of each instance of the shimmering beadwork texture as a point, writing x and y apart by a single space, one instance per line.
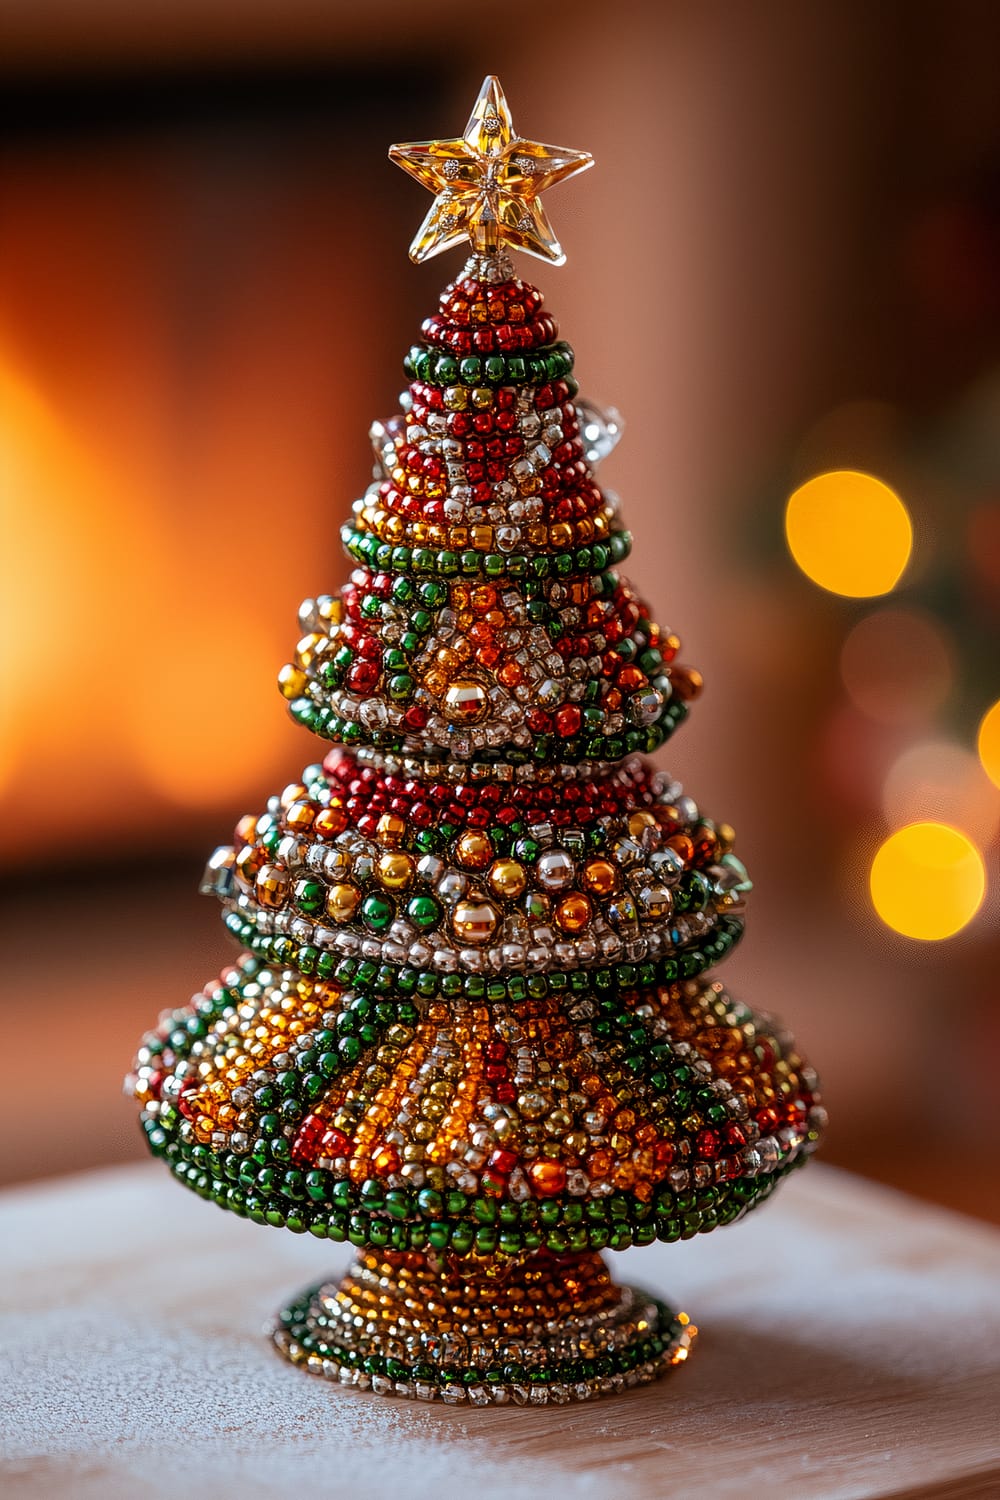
471 1029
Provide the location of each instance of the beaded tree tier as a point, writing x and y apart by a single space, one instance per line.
470 1029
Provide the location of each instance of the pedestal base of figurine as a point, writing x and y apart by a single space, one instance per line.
545 1329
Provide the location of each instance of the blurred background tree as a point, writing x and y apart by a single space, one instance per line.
784 267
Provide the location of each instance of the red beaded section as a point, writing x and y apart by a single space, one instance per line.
360 796
480 318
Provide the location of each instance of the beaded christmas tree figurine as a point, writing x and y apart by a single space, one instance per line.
470 1029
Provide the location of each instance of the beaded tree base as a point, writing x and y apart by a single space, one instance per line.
546 1329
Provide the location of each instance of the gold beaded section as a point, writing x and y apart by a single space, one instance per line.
544 1330
252 1039
674 1086
378 516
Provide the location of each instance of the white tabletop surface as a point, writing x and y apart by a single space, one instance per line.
850 1346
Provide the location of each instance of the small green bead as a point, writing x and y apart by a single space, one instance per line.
377 913
316 1184
423 911
350 1049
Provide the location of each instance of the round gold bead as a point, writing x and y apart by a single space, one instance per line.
638 822
292 681
474 921
473 849
342 901
600 876
466 701
306 648
248 863
390 828
507 879
395 870
573 912
272 886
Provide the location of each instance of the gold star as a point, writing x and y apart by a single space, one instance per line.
488 182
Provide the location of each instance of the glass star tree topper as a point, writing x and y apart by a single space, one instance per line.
470 1028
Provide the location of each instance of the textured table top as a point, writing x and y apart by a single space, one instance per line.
850 1346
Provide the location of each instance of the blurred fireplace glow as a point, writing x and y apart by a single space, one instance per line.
200 725
179 440
57 503
114 685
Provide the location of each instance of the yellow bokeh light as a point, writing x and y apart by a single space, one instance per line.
849 532
988 743
927 881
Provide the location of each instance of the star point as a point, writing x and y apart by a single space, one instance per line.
487 184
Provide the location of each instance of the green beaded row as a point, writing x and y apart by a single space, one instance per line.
296 1319
366 548
539 367
385 978
559 1225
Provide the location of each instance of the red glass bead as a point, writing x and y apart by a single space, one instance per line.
663 1157
362 676
764 1053
307 1139
184 1104
503 1160
333 1143
568 720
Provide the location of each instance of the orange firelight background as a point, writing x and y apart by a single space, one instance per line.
782 270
